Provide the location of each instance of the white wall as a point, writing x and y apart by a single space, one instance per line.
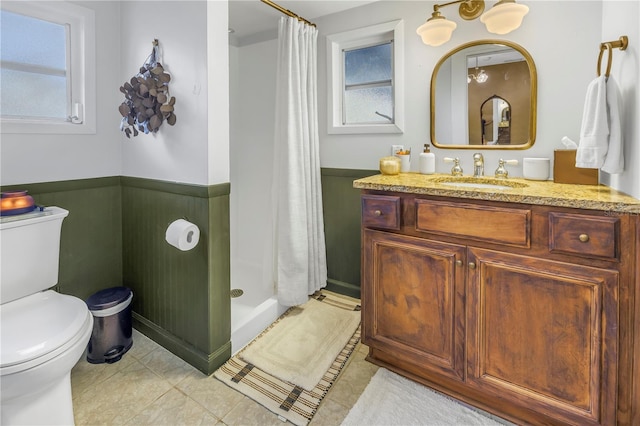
563 38
622 18
561 83
193 40
180 153
30 158
218 82
252 79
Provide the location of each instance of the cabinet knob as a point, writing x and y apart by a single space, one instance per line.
472 265
377 213
458 262
584 238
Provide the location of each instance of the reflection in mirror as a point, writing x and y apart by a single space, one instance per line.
483 95
495 121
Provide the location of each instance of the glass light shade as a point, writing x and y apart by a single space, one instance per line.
504 17
435 32
482 77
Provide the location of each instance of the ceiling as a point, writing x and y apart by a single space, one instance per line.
251 19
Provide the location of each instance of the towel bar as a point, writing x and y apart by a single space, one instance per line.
621 44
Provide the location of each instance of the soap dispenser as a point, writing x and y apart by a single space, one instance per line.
427 161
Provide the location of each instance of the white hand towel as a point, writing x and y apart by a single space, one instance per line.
614 162
594 134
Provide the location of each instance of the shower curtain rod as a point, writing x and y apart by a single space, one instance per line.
287 12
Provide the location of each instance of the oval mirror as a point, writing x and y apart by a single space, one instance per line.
483 96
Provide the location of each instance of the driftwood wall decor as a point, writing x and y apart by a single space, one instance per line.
147 101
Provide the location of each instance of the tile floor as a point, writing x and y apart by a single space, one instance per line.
151 386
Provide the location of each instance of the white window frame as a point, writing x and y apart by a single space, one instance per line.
82 67
363 37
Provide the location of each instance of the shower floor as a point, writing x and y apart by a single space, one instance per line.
248 321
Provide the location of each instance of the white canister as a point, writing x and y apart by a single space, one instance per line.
405 163
405 160
536 168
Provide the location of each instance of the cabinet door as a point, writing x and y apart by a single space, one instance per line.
544 334
413 301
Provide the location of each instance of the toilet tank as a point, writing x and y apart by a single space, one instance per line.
30 252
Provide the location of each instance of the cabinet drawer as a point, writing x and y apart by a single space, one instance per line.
381 211
587 236
480 222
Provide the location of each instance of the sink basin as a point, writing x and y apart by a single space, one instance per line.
480 183
477 185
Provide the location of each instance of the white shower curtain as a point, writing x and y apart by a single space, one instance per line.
299 247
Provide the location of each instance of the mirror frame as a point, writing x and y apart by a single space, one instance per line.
533 96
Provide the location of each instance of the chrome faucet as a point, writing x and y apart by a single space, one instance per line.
478 165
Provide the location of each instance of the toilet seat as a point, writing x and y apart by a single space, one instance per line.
37 328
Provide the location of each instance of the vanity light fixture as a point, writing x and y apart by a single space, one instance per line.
482 77
479 76
504 17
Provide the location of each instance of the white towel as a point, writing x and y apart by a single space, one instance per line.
600 144
594 134
614 162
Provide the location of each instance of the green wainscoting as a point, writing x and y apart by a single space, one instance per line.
341 206
91 240
114 235
181 298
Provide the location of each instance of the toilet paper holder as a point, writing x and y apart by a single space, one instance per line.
182 234
183 218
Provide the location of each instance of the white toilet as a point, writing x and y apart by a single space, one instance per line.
43 333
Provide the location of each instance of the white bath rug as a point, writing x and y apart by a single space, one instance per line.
288 399
303 344
390 399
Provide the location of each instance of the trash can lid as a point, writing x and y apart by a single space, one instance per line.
108 298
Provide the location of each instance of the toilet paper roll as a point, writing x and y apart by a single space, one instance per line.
182 234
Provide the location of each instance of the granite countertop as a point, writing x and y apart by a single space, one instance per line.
514 190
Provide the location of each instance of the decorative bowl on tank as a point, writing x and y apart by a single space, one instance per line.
16 202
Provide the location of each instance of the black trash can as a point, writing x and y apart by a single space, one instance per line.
111 336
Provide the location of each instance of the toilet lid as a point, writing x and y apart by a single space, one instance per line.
36 325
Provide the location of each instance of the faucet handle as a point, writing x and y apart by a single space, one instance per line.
501 171
456 170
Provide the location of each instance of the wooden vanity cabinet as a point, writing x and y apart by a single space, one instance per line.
524 311
416 308
544 332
